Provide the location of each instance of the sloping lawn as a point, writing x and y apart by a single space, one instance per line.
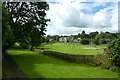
36 65
75 48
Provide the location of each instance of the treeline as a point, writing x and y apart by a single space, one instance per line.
93 37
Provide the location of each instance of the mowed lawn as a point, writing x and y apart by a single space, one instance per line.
75 48
36 65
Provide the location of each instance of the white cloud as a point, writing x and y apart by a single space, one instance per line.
114 19
68 18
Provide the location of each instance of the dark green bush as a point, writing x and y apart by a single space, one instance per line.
8 39
96 41
114 48
31 48
115 69
103 41
24 45
47 40
85 41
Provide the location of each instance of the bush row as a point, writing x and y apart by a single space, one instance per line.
87 59
94 60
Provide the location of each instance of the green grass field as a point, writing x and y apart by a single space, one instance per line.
36 65
75 48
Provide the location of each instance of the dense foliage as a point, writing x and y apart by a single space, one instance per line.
7 34
93 34
83 35
25 22
103 41
114 48
96 41
84 41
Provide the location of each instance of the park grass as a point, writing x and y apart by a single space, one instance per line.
36 65
75 48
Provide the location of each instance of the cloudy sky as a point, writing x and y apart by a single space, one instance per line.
73 16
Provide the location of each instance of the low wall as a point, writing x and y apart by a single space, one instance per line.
87 59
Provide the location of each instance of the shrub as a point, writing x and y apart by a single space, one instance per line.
103 61
24 45
98 60
96 41
114 48
106 63
103 41
84 41
115 69
47 40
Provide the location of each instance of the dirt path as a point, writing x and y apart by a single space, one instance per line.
10 69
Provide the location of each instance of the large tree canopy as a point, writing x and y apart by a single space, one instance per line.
7 34
27 20
93 34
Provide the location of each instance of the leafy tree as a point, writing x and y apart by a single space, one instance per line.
35 38
102 35
85 41
118 35
75 36
96 41
114 36
7 34
103 41
56 37
114 48
83 32
78 34
108 35
27 20
84 35
97 36
93 34
47 39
